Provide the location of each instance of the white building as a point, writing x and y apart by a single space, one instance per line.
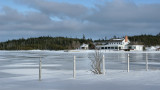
84 46
135 47
119 44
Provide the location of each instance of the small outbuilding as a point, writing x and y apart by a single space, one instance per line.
84 47
135 47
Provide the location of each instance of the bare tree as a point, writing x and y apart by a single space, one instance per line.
96 62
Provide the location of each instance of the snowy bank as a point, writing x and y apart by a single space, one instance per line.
62 80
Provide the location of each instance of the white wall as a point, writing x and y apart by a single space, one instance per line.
139 48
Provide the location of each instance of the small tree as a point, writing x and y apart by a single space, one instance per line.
84 37
96 62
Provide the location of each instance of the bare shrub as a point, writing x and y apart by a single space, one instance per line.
96 62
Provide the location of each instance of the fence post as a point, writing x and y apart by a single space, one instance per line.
146 61
40 69
74 67
128 63
118 56
104 71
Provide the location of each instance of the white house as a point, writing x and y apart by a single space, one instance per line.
84 46
135 47
119 44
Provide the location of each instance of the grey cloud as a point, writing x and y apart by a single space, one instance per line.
13 16
55 8
112 18
120 11
34 21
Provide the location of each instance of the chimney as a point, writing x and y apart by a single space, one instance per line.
126 38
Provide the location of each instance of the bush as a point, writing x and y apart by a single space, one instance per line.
96 62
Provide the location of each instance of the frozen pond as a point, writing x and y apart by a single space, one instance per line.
19 71
60 60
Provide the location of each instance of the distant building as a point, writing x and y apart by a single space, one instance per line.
136 47
84 47
119 44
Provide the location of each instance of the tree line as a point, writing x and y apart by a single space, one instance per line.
65 43
146 40
45 43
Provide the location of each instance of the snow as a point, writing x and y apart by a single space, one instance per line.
109 51
30 65
152 48
113 80
19 71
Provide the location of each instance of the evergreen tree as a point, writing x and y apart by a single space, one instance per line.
84 37
44 43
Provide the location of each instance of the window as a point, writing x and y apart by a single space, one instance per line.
102 47
130 47
112 47
105 47
109 47
116 47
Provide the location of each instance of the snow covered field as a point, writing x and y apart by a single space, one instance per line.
19 71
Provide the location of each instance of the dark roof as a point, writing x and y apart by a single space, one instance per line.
111 40
114 40
133 43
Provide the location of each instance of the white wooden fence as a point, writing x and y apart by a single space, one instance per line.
103 65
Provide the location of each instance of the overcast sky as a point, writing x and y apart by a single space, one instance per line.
73 18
